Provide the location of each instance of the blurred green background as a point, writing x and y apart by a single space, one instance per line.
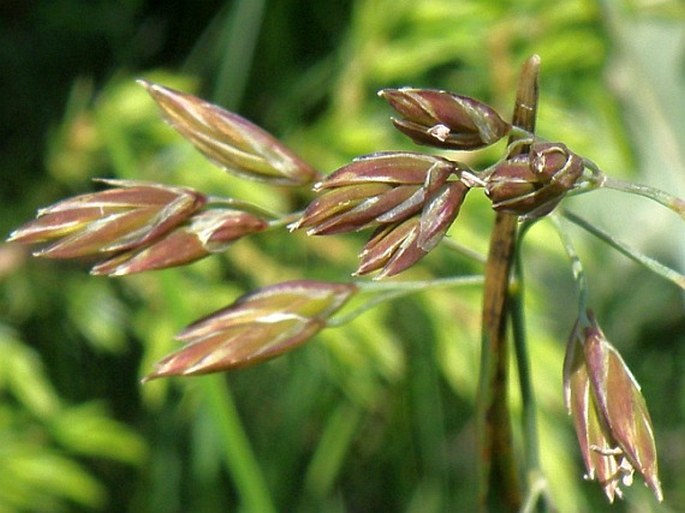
374 416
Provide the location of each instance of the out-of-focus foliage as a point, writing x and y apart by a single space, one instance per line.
46 444
373 416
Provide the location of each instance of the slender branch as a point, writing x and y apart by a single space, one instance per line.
669 201
409 287
253 207
499 488
576 267
387 291
464 250
521 351
651 264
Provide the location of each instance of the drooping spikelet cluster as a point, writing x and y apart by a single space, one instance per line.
409 200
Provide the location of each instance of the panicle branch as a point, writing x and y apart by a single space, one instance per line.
410 200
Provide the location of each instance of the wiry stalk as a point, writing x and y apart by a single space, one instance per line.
499 486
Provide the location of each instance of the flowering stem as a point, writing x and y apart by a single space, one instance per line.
498 479
651 264
387 291
499 488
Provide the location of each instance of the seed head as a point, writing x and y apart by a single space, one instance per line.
258 326
411 198
381 188
531 185
445 120
397 246
128 217
205 233
609 412
230 141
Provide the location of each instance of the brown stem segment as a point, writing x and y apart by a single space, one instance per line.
499 483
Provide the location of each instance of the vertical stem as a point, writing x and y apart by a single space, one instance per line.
536 487
499 488
523 364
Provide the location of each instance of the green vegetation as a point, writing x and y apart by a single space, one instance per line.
378 414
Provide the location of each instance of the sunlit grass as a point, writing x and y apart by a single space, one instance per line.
376 415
